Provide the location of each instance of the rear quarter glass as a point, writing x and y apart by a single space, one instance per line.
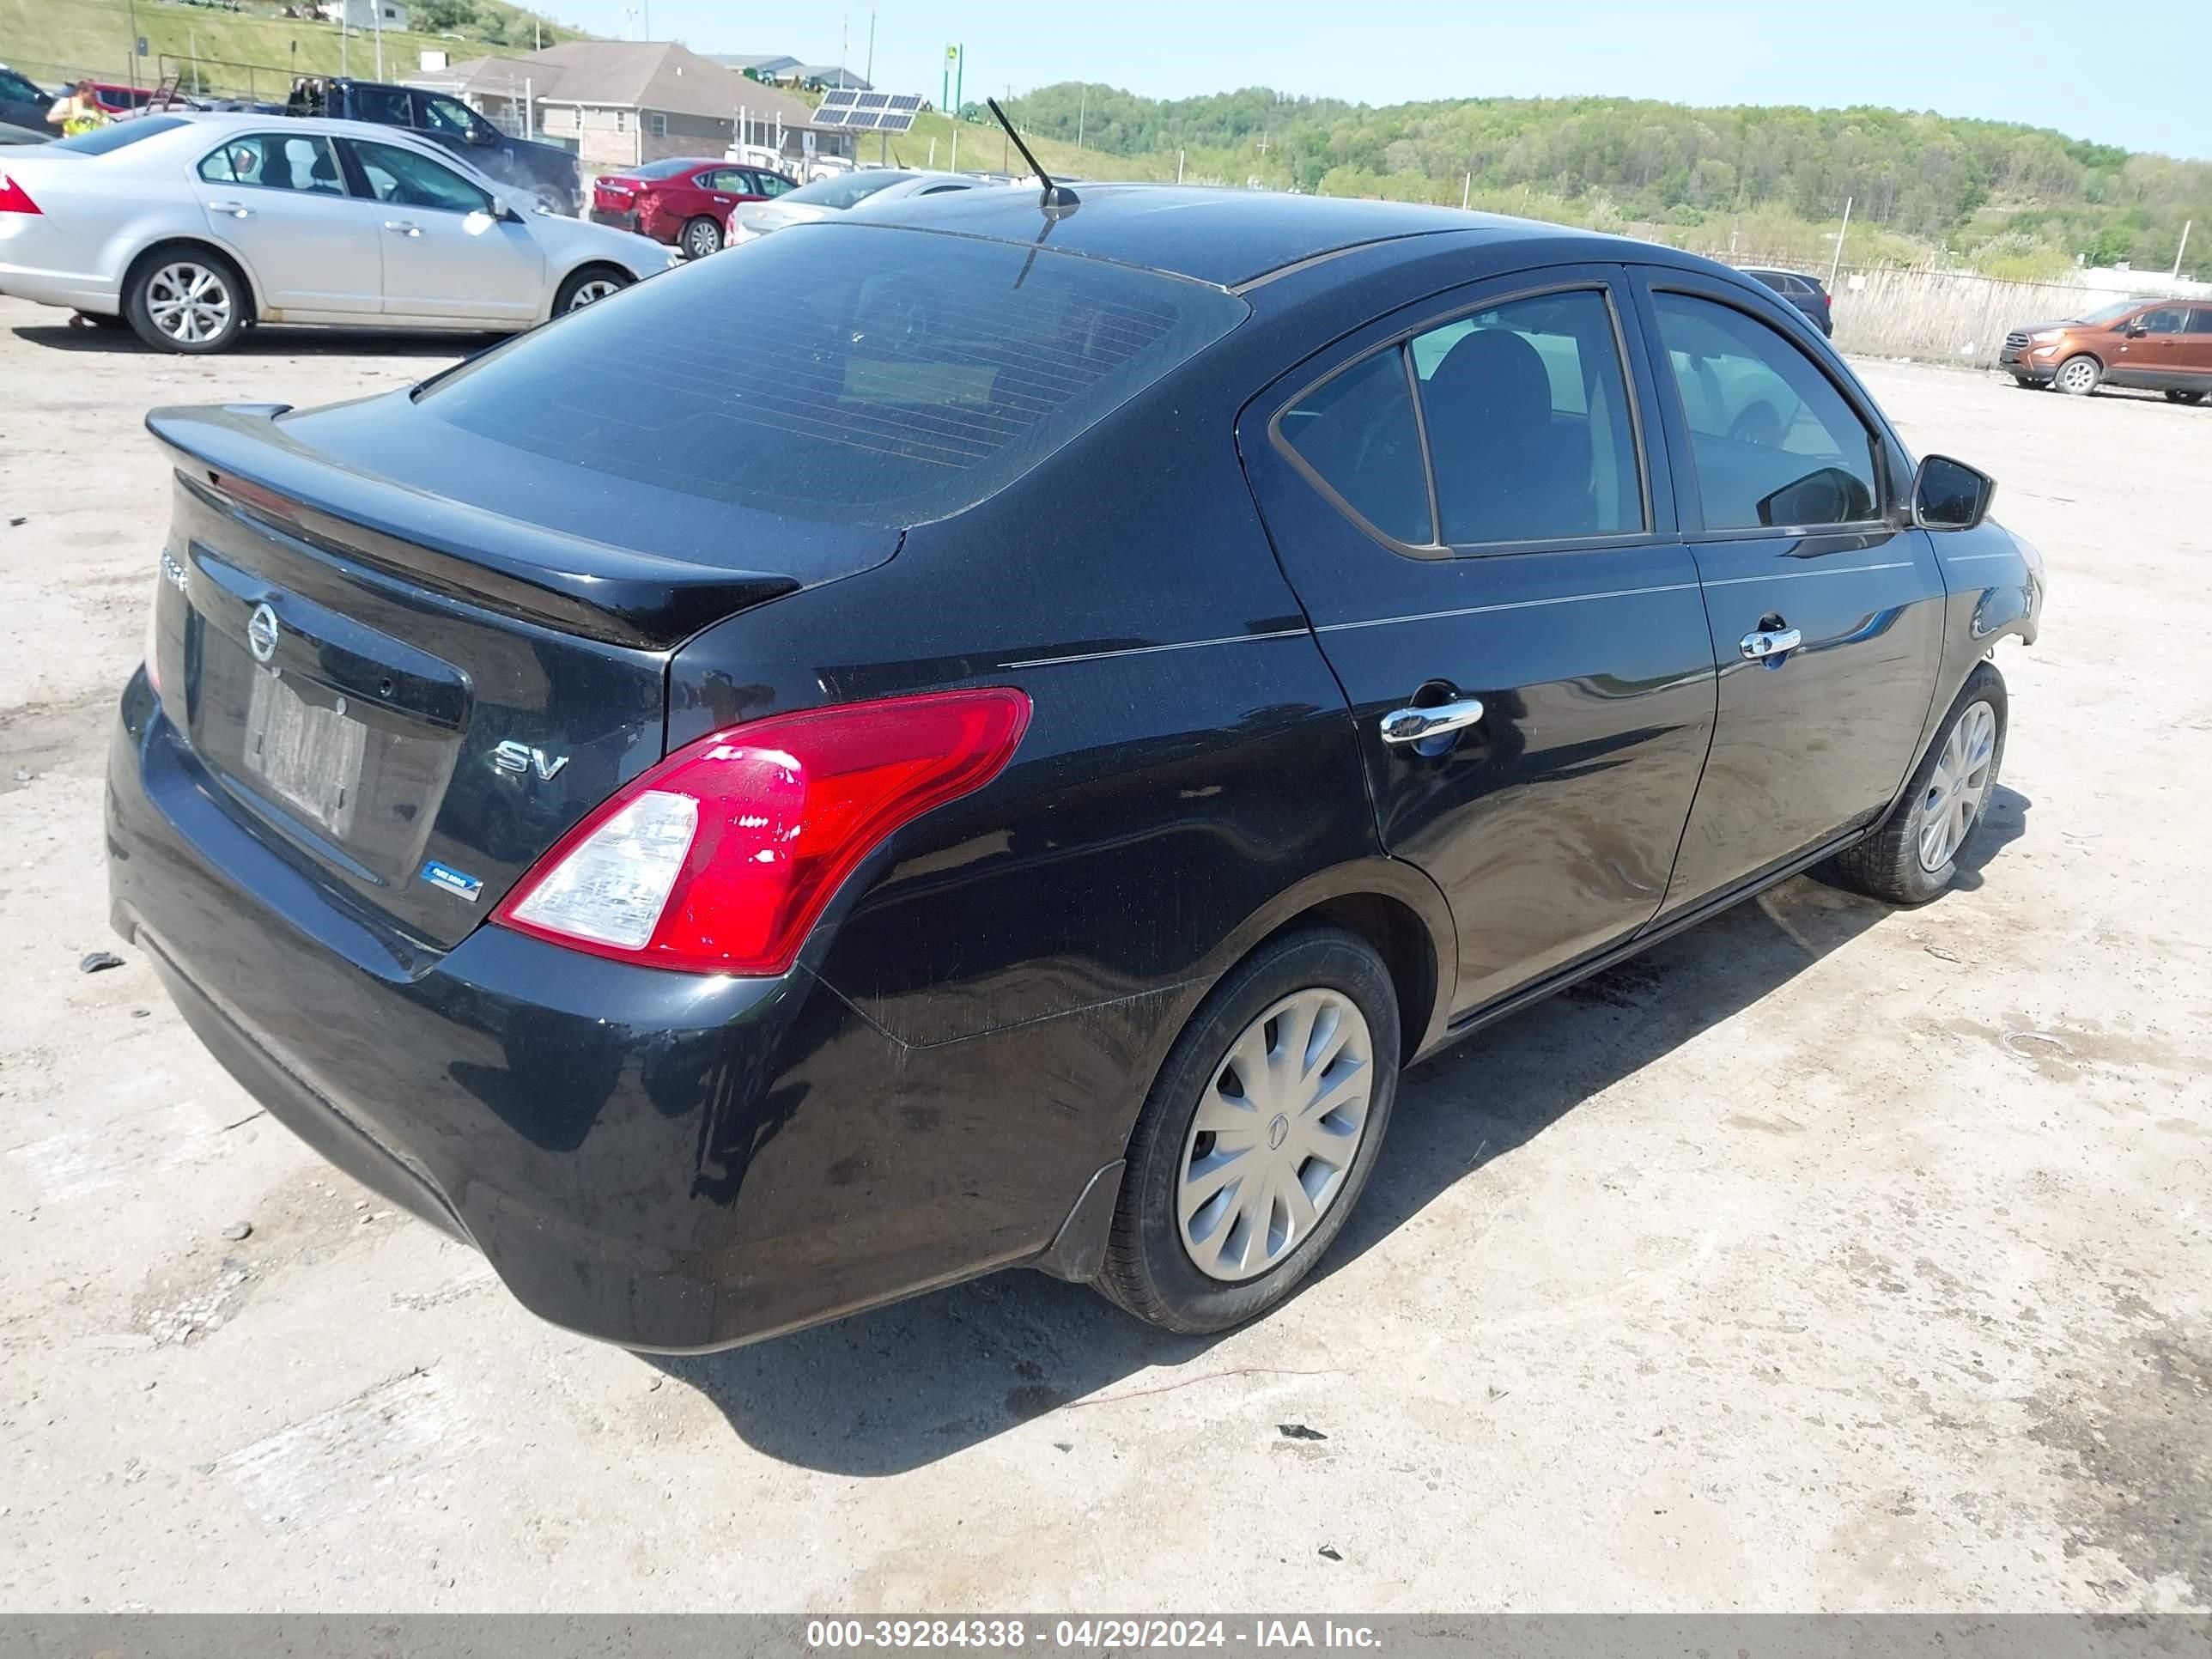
877 375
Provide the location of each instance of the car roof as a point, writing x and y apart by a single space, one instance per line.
1224 237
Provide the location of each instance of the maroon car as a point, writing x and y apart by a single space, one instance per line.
686 202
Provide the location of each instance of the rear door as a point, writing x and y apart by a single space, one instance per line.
2196 351
448 254
1827 617
280 200
1461 499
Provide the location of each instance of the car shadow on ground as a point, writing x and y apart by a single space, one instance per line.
266 342
889 1391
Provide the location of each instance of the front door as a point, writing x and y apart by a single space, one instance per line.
1826 616
449 255
2151 349
279 199
1461 498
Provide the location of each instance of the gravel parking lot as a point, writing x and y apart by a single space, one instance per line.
1826 1257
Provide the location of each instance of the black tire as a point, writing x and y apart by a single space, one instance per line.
1888 864
700 237
1148 1270
567 298
2078 376
158 277
2183 395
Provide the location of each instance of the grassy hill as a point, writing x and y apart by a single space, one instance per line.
2014 200
53 40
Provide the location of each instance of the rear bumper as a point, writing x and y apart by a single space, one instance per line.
76 290
652 1159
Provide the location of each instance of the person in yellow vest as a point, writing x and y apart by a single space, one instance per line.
78 111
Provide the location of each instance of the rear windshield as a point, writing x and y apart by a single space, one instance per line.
840 371
842 190
116 134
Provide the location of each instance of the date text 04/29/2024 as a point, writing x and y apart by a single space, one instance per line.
1082 1635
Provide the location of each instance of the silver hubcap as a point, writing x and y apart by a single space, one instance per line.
1961 782
598 289
704 241
2076 375
1275 1134
188 302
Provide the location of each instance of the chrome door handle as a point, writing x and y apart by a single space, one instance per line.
235 210
1411 724
1764 643
404 226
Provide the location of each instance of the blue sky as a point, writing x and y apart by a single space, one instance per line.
2070 66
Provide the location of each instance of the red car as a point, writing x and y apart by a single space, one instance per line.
686 202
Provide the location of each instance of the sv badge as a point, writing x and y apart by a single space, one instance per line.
517 758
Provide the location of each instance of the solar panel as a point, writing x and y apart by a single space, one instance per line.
868 111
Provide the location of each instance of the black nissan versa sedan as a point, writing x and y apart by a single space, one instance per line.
999 749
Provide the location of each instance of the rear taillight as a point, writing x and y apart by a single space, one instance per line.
721 859
14 198
154 638
1828 301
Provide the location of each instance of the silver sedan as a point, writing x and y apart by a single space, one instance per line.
187 227
842 192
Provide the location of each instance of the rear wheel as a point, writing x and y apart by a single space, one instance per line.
588 287
1915 856
185 299
2078 377
1258 1136
702 237
2178 396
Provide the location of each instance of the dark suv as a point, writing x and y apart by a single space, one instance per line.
981 736
544 175
1806 292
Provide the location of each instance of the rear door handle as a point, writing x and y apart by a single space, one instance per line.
404 226
235 210
1411 724
1764 643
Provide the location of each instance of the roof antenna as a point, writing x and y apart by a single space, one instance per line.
1057 198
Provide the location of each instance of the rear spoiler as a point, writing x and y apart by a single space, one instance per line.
238 455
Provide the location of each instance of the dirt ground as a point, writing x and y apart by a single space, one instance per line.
1827 1257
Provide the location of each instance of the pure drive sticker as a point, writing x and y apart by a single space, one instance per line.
453 880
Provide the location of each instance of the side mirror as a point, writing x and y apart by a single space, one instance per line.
1948 495
2135 330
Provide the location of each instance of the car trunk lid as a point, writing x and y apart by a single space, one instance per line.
415 695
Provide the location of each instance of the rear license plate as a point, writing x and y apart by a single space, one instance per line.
309 754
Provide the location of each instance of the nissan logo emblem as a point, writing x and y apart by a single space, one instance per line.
261 633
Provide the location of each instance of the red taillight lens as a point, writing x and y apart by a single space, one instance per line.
14 198
1828 301
722 858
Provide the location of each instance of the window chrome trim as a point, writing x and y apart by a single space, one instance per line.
1604 286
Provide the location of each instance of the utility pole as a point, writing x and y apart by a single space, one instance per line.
1837 263
132 9
2187 225
376 15
1467 192
869 74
